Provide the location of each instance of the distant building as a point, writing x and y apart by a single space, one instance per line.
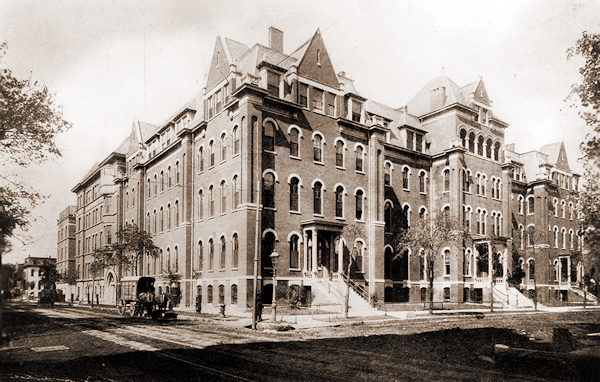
329 170
31 270
65 253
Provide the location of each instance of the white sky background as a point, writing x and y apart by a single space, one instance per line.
92 55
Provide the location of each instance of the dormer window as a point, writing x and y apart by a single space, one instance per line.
273 84
317 99
356 110
303 94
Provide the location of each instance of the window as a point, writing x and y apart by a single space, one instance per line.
521 200
388 216
317 208
339 202
162 219
446 294
200 205
222 256
410 140
467 263
211 153
154 221
234 298
480 146
236 141
563 206
360 252
236 245
463 138
339 154
223 197
555 207
359 204
209 294
467 218
555 237
236 192
294 194
483 184
200 256
294 253
472 143
387 173
211 202
318 148
223 143
497 151
269 190
177 213
294 143
273 84
201 159
422 182
169 216
356 110
303 94
330 99
317 99
405 177
211 255
531 274
446 180
530 205
359 158
269 136
169 182
162 181
488 148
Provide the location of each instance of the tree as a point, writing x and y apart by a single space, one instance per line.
431 235
588 217
586 96
49 276
351 233
130 246
70 277
30 120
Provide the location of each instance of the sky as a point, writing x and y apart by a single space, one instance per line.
112 61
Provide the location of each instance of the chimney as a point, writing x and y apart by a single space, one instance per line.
276 39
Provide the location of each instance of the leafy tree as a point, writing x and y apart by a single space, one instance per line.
70 277
130 246
30 119
431 234
351 233
49 276
586 96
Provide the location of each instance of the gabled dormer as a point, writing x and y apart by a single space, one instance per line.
315 64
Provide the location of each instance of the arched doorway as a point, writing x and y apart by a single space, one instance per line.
110 297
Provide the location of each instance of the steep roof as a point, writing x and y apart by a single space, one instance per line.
557 155
422 104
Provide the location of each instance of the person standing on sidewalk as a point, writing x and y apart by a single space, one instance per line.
259 308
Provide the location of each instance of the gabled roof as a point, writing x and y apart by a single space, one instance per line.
236 49
421 103
557 155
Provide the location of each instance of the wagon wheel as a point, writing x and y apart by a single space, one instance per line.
121 307
132 308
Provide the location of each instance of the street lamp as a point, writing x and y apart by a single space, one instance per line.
274 260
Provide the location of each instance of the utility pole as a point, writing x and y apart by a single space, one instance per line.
257 229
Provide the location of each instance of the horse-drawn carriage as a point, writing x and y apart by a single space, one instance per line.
140 299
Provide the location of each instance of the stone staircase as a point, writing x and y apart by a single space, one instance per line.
330 295
578 291
511 298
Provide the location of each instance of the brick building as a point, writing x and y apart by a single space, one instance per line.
333 175
66 251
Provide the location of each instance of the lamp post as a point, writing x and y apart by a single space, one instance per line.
274 260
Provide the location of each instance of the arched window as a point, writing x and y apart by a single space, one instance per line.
555 207
200 261
467 218
483 184
480 146
269 136
339 153
563 206
268 245
405 178
446 180
269 190
571 211
488 148
236 192
201 159
209 294
472 143
422 267
211 201
497 151
463 138
177 213
234 298
222 256
423 182
360 255
467 263
387 175
317 198
200 205
530 205
564 238
236 140
318 148
148 188
176 256
388 216
521 202
168 260
339 202
236 246
387 263
155 185
447 262
223 197
177 178
223 147
522 237
211 153
154 218
294 194
294 141
211 254
162 219
169 179
359 204
294 252
531 273
169 216
359 158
